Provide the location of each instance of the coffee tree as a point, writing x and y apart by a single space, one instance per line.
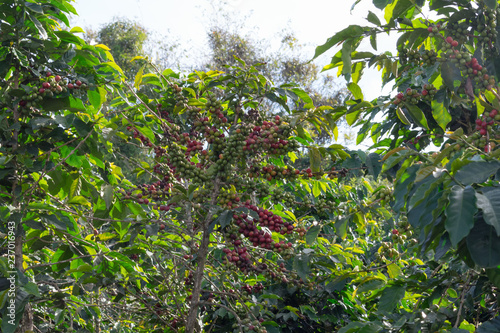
222 186
52 176
445 78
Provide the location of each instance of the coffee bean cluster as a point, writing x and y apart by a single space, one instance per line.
272 137
413 96
47 87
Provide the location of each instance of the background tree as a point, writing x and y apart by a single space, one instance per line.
446 93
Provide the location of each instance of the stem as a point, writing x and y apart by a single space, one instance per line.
201 261
462 299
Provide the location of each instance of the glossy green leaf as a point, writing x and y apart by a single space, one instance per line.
394 271
315 156
460 213
491 326
492 4
476 172
301 266
489 203
417 115
390 298
138 78
372 18
381 4
451 75
484 244
355 90
312 234
350 32
440 114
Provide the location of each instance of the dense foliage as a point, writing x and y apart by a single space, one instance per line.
241 221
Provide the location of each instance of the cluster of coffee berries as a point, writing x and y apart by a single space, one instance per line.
386 250
414 95
193 112
409 56
234 147
179 97
334 173
189 279
479 74
182 167
239 256
287 198
249 325
487 32
271 172
228 199
271 136
193 146
384 194
434 30
50 86
255 289
137 135
323 207
486 122
458 31
218 113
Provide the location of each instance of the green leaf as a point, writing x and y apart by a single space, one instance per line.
355 90
491 3
75 187
53 220
476 172
370 284
138 78
390 298
350 32
68 37
381 4
450 73
79 200
346 58
312 234
352 327
39 26
34 7
123 260
424 172
483 244
489 203
301 265
316 189
492 326
417 115
304 96
394 271
374 164
440 114
108 195
372 18
460 213
32 288
315 158
95 99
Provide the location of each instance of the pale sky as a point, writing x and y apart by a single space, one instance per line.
313 22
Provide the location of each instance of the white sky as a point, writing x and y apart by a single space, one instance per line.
312 22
